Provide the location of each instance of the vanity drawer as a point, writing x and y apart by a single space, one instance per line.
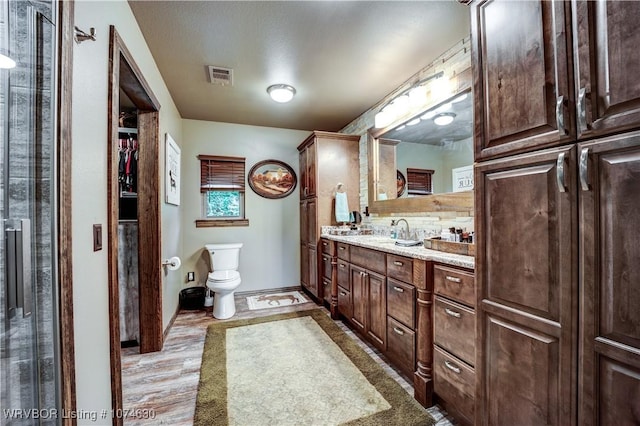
401 302
455 284
343 274
401 346
455 329
455 382
344 302
328 247
400 268
326 266
343 251
326 290
370 259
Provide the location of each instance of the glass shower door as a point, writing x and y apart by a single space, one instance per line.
29 360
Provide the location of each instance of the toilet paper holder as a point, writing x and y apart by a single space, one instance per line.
172 264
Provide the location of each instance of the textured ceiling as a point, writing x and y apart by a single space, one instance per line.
342 57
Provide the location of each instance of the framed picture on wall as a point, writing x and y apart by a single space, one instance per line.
172 171
272 179
462 178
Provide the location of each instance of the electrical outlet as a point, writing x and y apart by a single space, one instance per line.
191 276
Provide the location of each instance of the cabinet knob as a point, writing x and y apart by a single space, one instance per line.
398 289
397 263
452 279
452 313
342 293
452 367
341 248
342 265
324 243
398 331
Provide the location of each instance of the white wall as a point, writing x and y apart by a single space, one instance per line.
271 253
89 192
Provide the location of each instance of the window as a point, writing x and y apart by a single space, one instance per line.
419 181
222 189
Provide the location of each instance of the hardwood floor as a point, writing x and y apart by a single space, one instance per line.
164 384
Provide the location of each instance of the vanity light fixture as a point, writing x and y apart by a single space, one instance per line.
412 97
444 118
413 122
429 115
281 93
459 98
6 62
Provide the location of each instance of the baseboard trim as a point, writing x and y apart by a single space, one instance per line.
173 318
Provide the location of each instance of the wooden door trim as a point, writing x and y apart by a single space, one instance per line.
126 75
64 161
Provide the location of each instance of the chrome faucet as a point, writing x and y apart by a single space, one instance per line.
406 235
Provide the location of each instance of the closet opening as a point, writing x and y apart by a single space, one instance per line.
135 282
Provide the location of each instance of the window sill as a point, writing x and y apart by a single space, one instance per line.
215 223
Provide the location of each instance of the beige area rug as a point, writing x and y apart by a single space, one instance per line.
296 369
276 300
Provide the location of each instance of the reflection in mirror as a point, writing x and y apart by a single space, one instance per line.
432 151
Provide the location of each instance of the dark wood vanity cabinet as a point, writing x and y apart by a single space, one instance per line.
325 159
454 322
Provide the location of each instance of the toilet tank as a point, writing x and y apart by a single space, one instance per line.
224 257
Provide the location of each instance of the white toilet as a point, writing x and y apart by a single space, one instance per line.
224 277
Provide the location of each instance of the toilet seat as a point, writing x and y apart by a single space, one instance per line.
223 276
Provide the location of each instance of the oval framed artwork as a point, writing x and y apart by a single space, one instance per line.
402 183
272 179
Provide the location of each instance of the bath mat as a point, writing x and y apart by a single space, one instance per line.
276 300
295 369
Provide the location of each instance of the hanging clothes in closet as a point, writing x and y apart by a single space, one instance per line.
128 166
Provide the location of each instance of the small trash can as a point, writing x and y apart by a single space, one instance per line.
192 298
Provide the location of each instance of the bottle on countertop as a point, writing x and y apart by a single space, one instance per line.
394 233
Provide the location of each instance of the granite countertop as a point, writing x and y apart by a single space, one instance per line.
388 245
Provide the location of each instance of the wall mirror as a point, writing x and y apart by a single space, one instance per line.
425 162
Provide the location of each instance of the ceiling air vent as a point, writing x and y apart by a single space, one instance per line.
220 76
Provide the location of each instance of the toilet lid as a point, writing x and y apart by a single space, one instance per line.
223 275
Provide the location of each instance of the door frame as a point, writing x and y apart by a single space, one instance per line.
125 75
64 161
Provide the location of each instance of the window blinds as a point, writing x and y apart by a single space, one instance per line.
221 173
419 181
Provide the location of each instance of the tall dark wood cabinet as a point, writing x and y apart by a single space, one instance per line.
325 159
557 200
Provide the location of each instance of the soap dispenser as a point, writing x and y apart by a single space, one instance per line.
394 233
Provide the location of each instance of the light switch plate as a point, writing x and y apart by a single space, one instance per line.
97 237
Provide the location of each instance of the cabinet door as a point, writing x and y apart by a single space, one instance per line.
304 176
607 66
313 272
304 223
311 170
377 309
357 280
610 272
526 278
312 223
522 76
304 265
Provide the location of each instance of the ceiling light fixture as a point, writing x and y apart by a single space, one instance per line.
413 122
281 92
444 118
6 62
